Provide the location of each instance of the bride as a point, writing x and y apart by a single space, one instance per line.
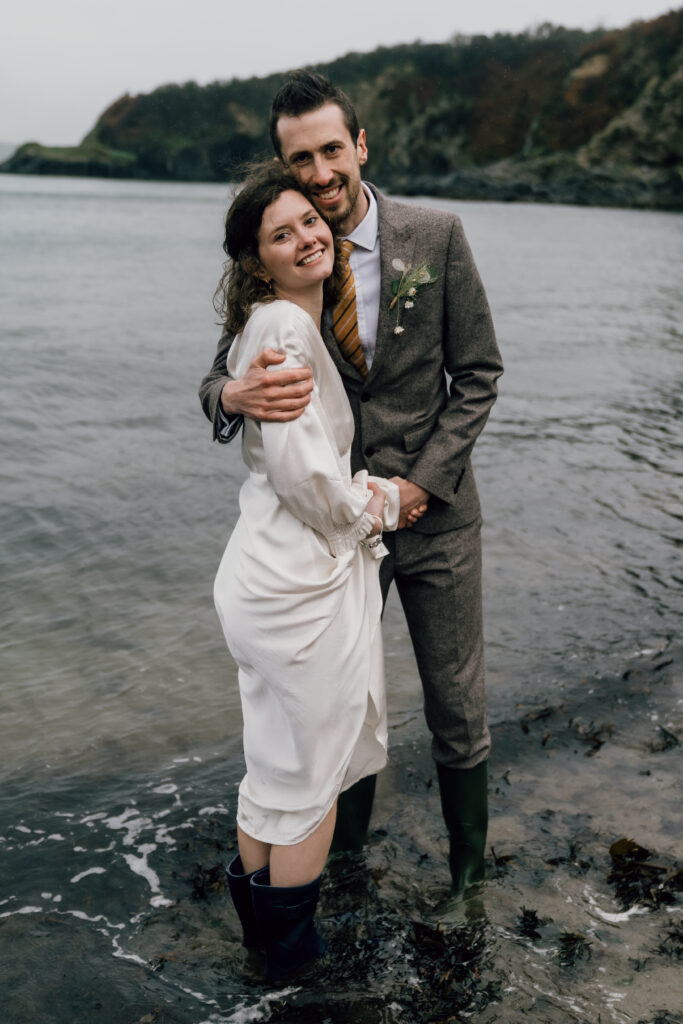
297 590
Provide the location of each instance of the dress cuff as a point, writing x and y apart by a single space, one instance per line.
348 535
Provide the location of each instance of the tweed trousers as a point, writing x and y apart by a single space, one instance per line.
438 578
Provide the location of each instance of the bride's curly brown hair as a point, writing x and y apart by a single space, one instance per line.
240 287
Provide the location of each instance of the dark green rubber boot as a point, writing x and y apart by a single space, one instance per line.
354 808
464 801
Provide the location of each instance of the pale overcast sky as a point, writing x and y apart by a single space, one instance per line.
63 61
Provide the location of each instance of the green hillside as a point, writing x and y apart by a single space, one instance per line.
556 115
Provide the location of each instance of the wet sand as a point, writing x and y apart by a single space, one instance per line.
571 925
562 930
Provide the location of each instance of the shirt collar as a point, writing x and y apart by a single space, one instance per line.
365 234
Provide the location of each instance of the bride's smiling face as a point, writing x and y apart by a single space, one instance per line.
295 245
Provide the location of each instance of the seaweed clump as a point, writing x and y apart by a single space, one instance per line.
207 882
673 943
573 947
638 879
452 972
528 924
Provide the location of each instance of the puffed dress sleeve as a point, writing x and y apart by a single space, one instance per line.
305 458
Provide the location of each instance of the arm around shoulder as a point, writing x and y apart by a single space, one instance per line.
259 391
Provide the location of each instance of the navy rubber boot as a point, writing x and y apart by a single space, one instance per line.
285 922
239 885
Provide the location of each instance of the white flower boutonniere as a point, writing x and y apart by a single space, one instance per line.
406 287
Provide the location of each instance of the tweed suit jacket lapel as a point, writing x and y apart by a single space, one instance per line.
396 240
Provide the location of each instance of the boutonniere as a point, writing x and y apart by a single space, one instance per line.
407 287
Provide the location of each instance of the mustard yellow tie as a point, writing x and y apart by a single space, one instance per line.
345 316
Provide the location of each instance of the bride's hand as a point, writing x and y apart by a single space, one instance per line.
375 506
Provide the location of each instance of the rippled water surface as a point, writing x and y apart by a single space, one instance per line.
120 751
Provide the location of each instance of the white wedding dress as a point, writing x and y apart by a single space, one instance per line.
299 599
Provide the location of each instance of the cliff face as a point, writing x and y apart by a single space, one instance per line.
558 115
647 67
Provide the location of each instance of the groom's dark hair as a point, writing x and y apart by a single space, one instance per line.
304 91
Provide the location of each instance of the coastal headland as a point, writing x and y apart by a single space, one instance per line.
555 115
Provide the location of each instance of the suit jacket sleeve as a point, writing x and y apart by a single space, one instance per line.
472 360
211 387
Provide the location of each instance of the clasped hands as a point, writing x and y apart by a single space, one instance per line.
282 395
414 501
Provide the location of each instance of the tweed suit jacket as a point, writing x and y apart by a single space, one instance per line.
410 420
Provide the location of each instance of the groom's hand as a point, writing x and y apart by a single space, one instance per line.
414 501
263 394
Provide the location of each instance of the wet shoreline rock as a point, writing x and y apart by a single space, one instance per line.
558 179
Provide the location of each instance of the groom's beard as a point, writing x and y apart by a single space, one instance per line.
351 191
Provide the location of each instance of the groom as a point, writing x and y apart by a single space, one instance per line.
411 424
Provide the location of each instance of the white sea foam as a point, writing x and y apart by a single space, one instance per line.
255 1013
92 919
22 910
132 821
90 871
140 866
123 955
160 901
163 834
610 917
166 787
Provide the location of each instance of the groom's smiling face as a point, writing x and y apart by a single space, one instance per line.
320 152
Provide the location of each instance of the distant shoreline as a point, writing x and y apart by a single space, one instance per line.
557 180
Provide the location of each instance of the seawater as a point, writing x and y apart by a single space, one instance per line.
121 725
